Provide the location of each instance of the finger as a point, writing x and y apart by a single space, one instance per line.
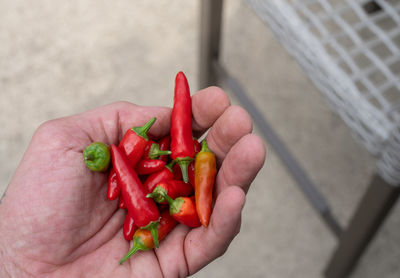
233 124
241 164
170 256
207 105
202 245
110 122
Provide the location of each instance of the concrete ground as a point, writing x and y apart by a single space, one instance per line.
63 57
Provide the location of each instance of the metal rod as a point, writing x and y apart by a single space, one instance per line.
371 212
210 33
300 176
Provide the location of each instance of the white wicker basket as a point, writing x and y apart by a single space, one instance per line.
353 57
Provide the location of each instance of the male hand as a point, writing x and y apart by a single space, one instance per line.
57 222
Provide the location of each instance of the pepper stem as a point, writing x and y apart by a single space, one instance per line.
137 246
170 165
155 151
158 194
142 130
165 196
153 228
174 205
204 146
184 164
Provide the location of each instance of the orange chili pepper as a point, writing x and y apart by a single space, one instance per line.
205 169
143 240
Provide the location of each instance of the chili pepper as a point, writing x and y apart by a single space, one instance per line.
142 239
174 189
113 189
133 144
149 166
121 203
135 141
177 172
155 178
164 146
97 157
182 149
205 170
196 145
129 227
191 173
183 209
147 149
143 210
155 152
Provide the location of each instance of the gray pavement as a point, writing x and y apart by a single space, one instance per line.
63 57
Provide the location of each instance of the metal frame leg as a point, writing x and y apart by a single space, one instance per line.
212 73
371 212
210 33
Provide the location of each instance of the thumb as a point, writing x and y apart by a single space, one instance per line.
203 245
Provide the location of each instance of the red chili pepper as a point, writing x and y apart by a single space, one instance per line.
149 166
181 125
205 170
143 210
177 172
142 239
174 189
129 227
183 209
196 145
156 152
191 173
135 141
121 203
113 189
133 144
164 146
177 169
155 178
147 149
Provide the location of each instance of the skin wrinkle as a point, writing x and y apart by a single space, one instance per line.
118 121
158 261
184 256
83 244
217 148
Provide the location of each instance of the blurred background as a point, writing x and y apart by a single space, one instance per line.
64 57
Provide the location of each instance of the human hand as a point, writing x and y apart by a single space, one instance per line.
56 220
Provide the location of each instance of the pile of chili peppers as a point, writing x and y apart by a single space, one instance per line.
160 183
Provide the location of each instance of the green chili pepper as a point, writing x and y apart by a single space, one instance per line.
97 157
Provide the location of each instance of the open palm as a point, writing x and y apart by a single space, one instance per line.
56 220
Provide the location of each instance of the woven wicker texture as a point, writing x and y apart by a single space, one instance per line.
351 51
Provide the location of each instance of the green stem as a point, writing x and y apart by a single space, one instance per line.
164 194
170 165
153 228
137 246
157 194
89 156
174 205
142 130
155 151
204 146
184 164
